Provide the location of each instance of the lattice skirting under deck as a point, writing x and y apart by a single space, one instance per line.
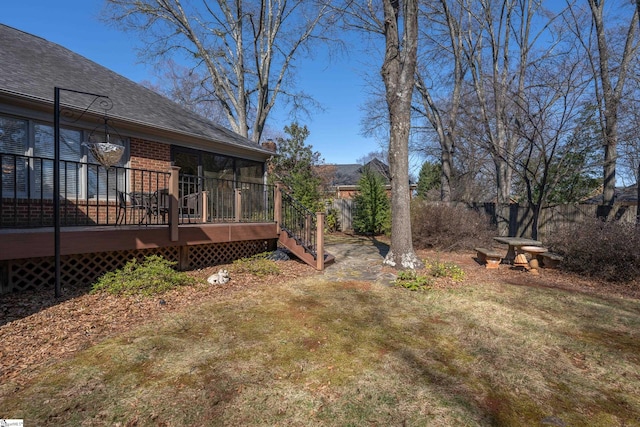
83 269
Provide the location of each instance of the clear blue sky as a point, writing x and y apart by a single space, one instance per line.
337 85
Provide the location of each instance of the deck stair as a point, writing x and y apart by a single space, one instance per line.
299 232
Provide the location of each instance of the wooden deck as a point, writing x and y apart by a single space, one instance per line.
39 242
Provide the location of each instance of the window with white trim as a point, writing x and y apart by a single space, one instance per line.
26 158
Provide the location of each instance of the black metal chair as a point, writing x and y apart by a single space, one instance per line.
135 202
160 203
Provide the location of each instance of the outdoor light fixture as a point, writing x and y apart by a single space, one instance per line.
106 153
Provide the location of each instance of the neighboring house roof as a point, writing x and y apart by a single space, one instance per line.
622 195
350 174
31 67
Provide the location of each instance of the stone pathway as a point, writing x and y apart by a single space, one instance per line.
358 261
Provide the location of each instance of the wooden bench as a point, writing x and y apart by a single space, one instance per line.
550 260
489 257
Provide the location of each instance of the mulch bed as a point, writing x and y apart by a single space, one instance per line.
550 278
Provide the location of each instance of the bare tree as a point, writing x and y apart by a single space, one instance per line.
498 38
382 155
609 68
188 88
245 49
397 21
638 168
444 47
550 122
398 74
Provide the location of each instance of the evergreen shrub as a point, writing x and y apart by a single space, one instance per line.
154 275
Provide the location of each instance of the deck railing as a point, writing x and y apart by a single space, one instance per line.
299 223
206 199
91 195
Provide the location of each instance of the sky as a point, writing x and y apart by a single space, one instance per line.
337 84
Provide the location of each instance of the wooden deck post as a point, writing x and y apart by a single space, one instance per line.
183 258
205 206
277 207
174 190
238 199
320 240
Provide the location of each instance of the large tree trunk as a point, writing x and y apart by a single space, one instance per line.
398 75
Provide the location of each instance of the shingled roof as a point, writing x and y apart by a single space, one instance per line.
31 67
350 174
624 195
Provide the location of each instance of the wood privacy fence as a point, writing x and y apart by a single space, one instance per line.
552 218
345 209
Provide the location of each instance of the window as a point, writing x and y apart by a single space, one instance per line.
216 166
13 148
26 157
249 171
70 155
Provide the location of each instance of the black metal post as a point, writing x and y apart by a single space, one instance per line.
56 176
56 187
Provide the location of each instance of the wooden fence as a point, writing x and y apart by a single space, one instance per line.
345 209
556 217
552 218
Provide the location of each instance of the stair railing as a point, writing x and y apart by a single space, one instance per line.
301 224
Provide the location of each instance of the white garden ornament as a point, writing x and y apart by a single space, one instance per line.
220 278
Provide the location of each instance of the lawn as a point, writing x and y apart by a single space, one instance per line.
298 350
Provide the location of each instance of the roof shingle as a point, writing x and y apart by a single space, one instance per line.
32 66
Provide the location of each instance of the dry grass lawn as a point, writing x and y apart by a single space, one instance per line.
305 351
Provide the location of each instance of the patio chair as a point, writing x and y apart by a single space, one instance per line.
135 202
160 203
192 207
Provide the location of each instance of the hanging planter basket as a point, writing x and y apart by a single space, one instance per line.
106 153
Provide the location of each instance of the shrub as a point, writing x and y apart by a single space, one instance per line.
445 269
332 220
154 275
605 250
372 214
409 279
258 265
449 228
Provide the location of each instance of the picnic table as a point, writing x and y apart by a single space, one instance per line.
515 254
534 252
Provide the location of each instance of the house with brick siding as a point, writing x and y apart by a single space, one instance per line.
346 178
185 187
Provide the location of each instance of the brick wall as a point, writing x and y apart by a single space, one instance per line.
150 155
26 213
